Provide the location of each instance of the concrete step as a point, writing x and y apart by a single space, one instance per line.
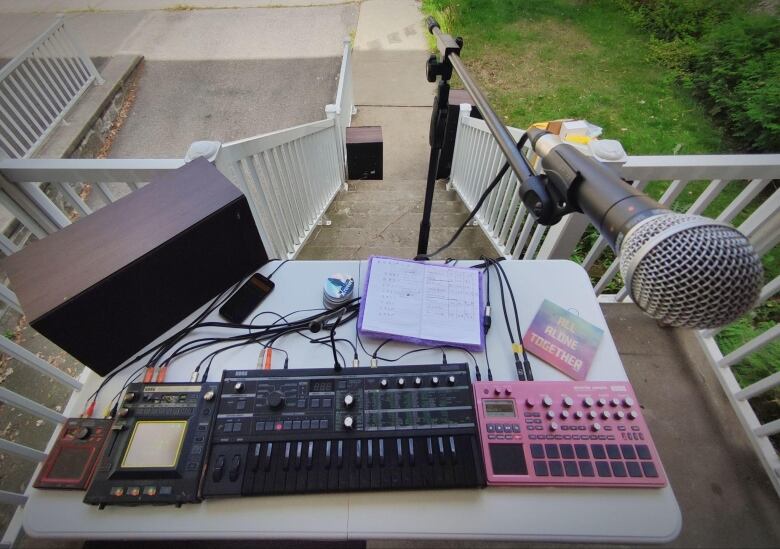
80 119
409 218
407 251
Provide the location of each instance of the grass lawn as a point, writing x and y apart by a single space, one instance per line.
541 60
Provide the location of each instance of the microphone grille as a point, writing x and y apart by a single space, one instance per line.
690 271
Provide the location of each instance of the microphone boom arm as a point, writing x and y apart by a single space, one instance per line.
533 189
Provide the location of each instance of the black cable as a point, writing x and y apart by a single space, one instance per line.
376 351
521 374
159 350
338 340
493 184
526 363
277 267
297 327
167 343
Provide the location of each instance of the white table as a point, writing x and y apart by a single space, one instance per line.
627 515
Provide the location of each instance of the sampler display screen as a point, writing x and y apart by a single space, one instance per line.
155 445
500 408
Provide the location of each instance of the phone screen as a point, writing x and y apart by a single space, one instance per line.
246 299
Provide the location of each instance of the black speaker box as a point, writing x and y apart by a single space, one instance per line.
109 284
456 98
364 152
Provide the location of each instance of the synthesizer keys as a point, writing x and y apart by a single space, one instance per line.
319 430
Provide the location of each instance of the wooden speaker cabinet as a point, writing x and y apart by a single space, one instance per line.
109 284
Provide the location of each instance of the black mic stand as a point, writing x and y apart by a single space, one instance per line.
433 69
533 191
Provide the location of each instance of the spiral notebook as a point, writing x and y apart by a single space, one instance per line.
422 303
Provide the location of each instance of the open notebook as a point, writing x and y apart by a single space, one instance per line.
422 303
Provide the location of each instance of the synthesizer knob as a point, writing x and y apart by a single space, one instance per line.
578 414
123 412
601 402
81 433
568 402
605 414
553 426
451 380
550 414
401 382
497 391
564 414
209 396
383 384
417 381
434 381
530 402
239 387
547 401
592 414
275 400
614 402
587 402
507 391
628 402
632 414
349 422
129 397
596 427
349 400
619 415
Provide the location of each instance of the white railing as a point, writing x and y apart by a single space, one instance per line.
290 177
36 212
39 86
515 234
344 107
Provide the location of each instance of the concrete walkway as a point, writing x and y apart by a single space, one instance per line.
383 217
217 73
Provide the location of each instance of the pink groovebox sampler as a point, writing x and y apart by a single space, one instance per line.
565 433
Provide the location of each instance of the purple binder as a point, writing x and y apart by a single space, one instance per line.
418 340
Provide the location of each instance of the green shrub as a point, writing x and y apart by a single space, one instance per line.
669 20
736 71
728 56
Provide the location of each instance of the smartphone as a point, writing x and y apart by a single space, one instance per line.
246 299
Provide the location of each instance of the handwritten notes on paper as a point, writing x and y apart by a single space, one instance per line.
422 302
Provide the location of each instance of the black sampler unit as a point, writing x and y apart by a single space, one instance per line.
155 452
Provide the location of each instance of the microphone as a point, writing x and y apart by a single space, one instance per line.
683 270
